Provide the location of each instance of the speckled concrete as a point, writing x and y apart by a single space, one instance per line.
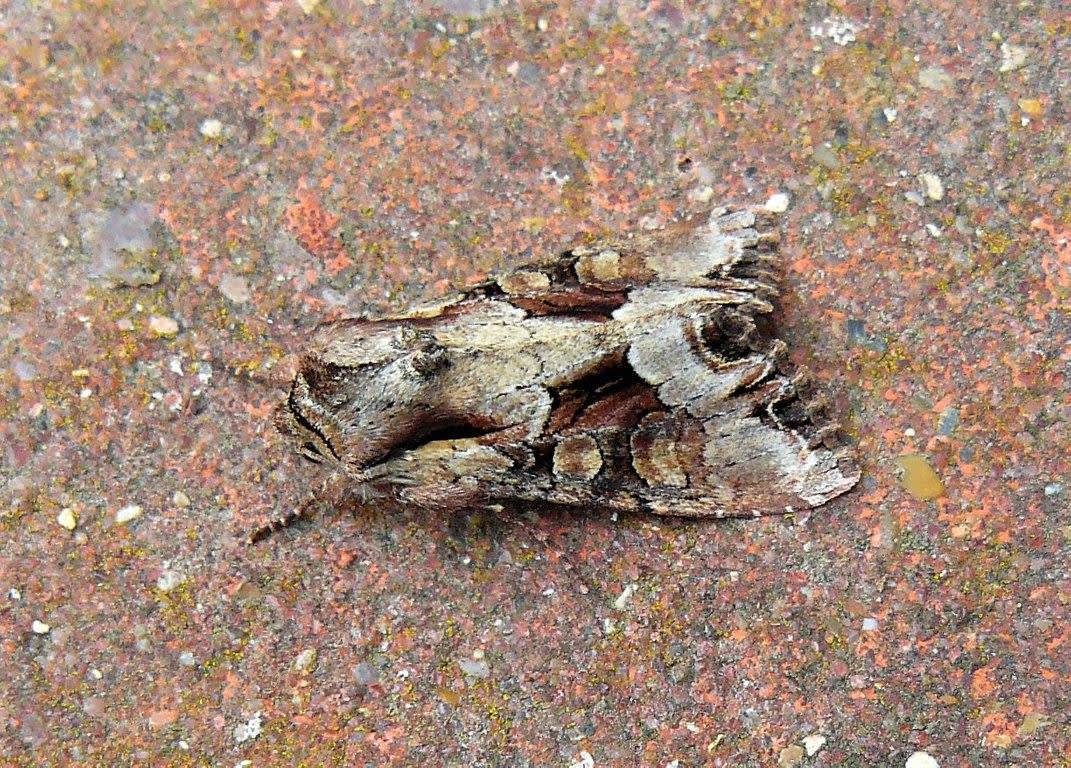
186 190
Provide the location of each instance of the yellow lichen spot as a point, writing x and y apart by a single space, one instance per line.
577 148
533 224
1032 723
1031 107
450 697
918 477
997 243
596 107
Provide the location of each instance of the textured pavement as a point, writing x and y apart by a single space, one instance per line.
186 190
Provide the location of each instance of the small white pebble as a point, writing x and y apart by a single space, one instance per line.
702 194
212 128
778 202
175 366
128 513
180 499
548 592
14 594
249 730
163 326
235 288
168 580
85 393
586 761
813 744
1012 57
931 183
543 24
68 518
921 760
96 674
623 599
305 661
870 624
513 68
40 628
909 432
840 30
890 113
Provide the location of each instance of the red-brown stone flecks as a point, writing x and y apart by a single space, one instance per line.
149 153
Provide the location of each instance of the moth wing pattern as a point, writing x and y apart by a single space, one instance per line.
639 373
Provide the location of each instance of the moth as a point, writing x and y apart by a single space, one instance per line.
638 373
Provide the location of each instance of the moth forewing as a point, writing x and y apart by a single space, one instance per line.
638 373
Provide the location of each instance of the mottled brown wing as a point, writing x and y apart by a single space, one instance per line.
692 417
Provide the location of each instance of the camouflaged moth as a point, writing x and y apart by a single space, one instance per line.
636 373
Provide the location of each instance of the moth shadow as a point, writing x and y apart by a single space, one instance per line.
486 532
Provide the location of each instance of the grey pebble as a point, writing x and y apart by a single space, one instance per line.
935 78
826 157
477 668
857 334
366 674
948 421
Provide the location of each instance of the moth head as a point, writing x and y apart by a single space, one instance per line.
350 399
298 423
306 420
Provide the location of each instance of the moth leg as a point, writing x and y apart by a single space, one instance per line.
301 512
